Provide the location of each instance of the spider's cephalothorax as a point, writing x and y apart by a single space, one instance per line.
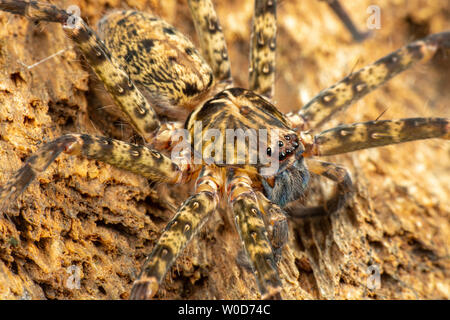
238 111
266 136
162 84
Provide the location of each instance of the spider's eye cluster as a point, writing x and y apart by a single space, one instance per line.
287 146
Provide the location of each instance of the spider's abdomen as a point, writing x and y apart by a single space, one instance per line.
240 128
160 60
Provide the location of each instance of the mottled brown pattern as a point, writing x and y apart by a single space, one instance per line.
238 108
262 224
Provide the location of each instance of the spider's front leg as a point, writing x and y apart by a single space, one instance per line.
275 220
353 87
138 159
357 136
191 216
212 40
253 233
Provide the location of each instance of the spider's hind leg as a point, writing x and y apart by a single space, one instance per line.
35 164
262 48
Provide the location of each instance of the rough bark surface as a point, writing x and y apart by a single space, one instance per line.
87 218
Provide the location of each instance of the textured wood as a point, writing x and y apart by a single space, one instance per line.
104 221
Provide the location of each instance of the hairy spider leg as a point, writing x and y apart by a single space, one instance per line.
253 234
339 96
363 135
212 40
191 216
263 45
357 136
138 159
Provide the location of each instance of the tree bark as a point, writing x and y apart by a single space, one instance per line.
85 220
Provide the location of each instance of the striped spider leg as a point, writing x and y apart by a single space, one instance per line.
264 40
140 113
160 81
340 12
370 134
262 48
131 89
212 40
276 223
188 220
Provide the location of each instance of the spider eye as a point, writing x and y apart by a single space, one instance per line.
287 137
280 143
269 151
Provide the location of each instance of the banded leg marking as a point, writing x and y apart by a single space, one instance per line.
253 234
191 216
344 190
127 96
134 158
357 136
138 159
212 40
352 88
263 48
